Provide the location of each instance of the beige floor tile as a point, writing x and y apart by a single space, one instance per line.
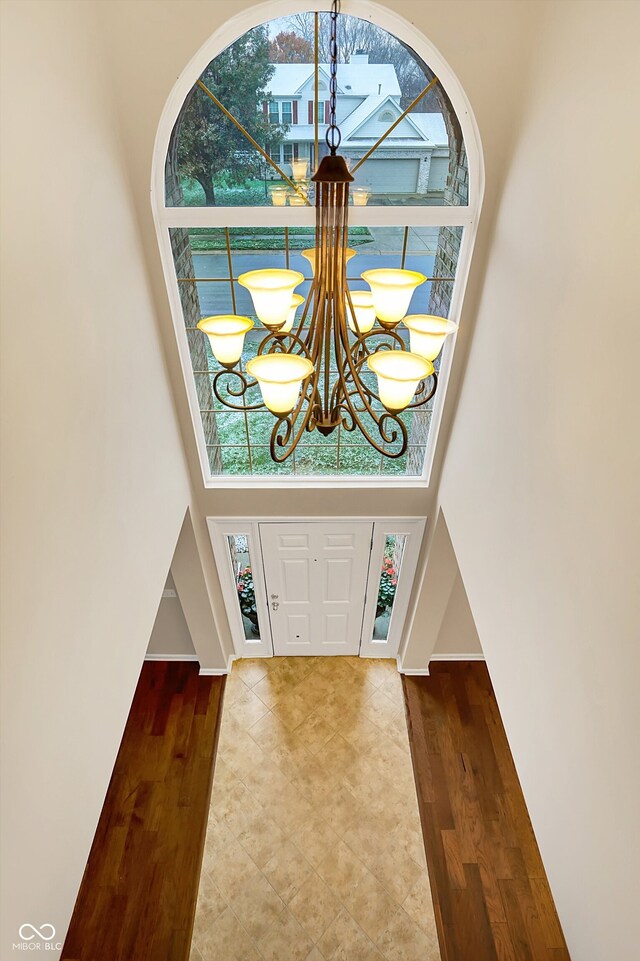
419 906
291 709
270 688
314 837
218 836
242 755
341 869
344 940
269 732
256 905
209 907
237 808
247 709
261 838
371 905
314 907
232 870
285 940
287 871
290 756
314 956
397 872
381 709
251 669
227 940
405 941
224 780
314 732
233 688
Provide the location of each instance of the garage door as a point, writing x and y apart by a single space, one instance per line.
389 176
438 173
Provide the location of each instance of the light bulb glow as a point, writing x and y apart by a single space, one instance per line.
310 255
399 372
427 333
360 197
279 197
299 169
288 324
362 301
226 336
271 291
392 291
280 377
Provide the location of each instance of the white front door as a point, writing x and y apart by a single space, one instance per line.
316 579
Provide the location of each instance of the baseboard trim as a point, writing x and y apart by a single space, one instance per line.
412 671
219 671
457 657
171 657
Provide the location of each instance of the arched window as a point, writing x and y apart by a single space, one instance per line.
249 115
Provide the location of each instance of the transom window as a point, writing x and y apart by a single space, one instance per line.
225 206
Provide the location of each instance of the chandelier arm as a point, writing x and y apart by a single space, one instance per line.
277 344
298 328
281 447
245 385
421 387
381 418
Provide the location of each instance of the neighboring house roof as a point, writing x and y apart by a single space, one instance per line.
433 126
355 79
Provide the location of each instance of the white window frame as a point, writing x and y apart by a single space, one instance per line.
465 217
282 103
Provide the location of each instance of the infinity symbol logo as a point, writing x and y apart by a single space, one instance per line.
35 932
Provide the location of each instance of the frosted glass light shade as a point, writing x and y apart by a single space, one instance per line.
297 200
310 255
271 292
360 196
296 300
226 336
362 301
299 169
427 333
392 291
399 372
280 377
279 197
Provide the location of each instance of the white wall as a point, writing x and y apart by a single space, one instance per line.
542 477
457 637
94 481
483 41
170 636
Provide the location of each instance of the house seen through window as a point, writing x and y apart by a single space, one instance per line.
273 81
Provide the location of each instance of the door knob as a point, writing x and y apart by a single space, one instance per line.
274 605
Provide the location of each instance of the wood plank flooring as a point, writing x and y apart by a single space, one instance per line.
491 895
138 893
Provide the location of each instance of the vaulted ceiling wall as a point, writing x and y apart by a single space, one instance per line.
541 478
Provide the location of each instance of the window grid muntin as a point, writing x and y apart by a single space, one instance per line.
386 466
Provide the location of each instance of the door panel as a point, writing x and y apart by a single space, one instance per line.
316 577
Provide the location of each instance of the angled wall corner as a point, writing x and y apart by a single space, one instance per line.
187 570
170 638
434 591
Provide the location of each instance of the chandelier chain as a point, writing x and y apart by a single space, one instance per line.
333 135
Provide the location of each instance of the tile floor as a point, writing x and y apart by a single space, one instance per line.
313 849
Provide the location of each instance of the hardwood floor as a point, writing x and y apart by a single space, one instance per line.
138 894
492 899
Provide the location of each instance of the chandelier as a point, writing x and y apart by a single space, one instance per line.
310 371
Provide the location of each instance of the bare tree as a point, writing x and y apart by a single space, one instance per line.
355 34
